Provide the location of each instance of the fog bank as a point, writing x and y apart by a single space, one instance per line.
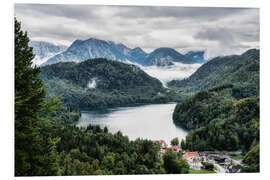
168 73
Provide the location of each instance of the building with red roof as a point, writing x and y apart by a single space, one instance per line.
193 160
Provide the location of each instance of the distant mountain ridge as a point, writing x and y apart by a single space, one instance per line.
45 50
196 55
81 50
166 56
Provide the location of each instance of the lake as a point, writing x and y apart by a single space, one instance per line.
146 121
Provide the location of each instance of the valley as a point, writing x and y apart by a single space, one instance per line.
135 90
208 116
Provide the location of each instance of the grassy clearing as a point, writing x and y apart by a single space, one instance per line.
202 171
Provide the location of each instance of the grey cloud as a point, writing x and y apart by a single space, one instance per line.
225 35
217 30
209 13
67 11
216 34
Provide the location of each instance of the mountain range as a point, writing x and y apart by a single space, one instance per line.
44 50
81 50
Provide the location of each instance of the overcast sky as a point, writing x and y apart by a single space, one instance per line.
219 31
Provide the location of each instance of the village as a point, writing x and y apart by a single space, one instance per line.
216 161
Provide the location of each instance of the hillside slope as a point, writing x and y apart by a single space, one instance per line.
225 115
100 83
166 56
44 50
241 71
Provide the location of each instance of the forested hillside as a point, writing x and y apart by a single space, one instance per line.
95 151
225 114
239 71
99 83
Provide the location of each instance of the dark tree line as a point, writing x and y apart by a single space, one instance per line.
219 122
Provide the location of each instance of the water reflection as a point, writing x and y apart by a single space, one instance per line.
147 121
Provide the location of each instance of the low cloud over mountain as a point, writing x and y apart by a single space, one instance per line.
168 73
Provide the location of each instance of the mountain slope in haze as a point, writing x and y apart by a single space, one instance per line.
99 83
81 50
45 50
166 56
196 56
241 71
94 48
138 56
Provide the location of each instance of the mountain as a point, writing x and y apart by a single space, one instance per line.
94 48
81 50
99 83
166 56
196 56
240 71
138 56
44 50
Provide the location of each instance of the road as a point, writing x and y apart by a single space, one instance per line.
219 168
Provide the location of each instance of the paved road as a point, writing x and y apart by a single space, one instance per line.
220 169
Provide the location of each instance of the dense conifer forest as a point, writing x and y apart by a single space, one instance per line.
223 114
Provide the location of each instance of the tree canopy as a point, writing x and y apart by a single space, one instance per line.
34 153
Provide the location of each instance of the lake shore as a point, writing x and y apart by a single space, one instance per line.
151 121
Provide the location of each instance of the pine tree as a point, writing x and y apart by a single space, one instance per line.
34 152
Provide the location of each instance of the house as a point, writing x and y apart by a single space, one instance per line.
193 160
165 148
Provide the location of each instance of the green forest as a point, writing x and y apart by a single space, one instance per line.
223 112
241 72
118 84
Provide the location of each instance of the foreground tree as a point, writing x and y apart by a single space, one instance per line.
34 153
174 164
252 159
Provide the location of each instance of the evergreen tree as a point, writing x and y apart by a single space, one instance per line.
174 164
175 142
34 153
183 144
